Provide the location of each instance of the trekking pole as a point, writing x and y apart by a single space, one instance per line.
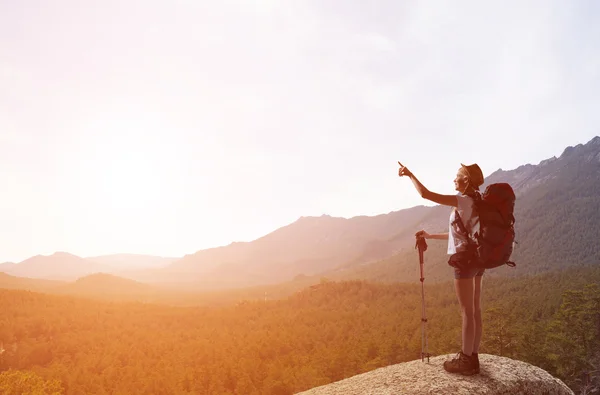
421 244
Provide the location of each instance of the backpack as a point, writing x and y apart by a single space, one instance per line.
493 243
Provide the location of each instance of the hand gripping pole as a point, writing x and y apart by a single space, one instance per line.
421 245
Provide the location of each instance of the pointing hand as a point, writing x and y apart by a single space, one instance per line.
403 171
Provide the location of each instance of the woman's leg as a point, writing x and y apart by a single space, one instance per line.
465 292
477 314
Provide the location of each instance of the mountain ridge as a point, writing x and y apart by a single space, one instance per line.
63 265
558 187
533 185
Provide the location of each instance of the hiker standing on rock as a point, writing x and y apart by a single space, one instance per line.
467 279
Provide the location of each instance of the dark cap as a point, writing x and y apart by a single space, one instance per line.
475 174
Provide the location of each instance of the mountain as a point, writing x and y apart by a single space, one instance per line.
6 266
39 285
108 286
557 225
307 246
58 266
124 262
65 266
558 209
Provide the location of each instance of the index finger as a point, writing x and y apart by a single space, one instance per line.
400 164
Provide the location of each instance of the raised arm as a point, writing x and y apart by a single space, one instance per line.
437 236
446 200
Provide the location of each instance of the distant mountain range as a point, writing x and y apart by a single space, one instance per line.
98 286
557 222
308 246
68 267
124 262
58 266
30 284
558 226
6 266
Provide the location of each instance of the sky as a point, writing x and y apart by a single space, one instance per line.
166 127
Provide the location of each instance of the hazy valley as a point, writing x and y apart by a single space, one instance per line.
310 303
558 225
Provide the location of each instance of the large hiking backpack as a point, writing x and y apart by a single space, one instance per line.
493 243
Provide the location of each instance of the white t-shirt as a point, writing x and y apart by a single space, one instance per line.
457 240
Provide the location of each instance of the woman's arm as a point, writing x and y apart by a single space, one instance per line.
446 200
439 236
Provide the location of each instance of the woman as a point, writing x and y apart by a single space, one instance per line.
467 280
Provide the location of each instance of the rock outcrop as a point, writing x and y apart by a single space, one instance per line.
498 376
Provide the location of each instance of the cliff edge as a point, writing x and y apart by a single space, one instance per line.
498 376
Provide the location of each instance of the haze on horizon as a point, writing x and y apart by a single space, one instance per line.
163 128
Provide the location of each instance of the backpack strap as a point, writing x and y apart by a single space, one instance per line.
461 226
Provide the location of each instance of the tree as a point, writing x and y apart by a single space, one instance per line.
499 332
15 382
574 335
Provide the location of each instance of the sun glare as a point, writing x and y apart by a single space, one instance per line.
128 172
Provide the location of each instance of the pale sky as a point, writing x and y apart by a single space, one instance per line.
165 127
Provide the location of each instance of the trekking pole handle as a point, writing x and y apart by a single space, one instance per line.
421 244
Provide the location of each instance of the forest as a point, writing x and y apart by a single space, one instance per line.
53 344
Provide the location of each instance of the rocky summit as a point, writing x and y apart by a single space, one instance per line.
498 376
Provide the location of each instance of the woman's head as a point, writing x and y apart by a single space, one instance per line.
468 179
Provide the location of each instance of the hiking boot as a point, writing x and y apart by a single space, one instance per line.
462 364
475 359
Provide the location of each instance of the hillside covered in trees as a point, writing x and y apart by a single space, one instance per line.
319 335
